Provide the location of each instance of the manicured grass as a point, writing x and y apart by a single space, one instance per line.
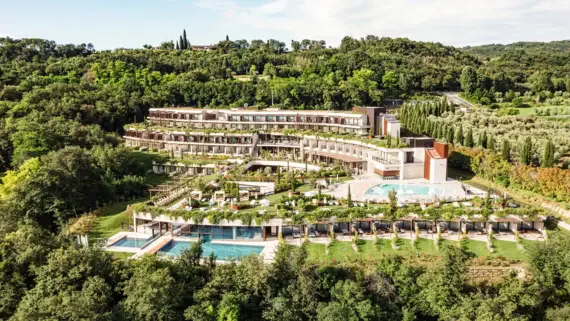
525 111
341 251
109 222
121 255
508 250
478 248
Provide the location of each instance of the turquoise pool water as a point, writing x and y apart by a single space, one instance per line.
382 190
221 251
131 242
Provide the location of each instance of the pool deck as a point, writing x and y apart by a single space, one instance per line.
113 239
268 252
451 190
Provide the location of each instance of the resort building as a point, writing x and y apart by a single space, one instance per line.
242 132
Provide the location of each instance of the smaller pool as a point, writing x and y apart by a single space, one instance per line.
221 251
382 190
131 242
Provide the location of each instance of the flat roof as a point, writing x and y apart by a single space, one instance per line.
433 153
263 111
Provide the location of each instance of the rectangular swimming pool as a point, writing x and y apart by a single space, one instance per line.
131 242
221 251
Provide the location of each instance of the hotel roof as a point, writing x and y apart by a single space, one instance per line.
276 111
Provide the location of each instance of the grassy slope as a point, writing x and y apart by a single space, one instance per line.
109 222
342 251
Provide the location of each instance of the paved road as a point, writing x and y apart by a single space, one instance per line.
454 97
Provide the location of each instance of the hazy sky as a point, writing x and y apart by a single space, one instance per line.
132 23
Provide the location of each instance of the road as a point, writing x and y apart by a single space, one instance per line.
454 98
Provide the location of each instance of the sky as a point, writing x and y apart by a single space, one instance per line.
109 24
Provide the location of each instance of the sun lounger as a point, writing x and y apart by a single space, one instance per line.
344 231
360 231
296 235
316 233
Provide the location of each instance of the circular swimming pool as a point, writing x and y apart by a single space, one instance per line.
402 190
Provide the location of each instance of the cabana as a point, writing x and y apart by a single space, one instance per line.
196 195
363 226
406 224
532 224
476 224
508 224
382 225
219 196
453 225
318 229
292 231
342 228
244 195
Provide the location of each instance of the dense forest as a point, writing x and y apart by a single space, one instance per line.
46 278
62 111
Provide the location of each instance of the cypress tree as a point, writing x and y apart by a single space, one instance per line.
449 136
349 198
506 150
548 155
491 143
398 139
185 39
459 135
389 141
177 46
526 151
468 142
182 43
483 141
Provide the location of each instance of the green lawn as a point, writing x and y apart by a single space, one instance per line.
109 222
342 251
525 111
121 255
508 250
477 247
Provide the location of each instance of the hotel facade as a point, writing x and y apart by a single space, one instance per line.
327 137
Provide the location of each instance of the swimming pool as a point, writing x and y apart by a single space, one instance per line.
382 190
131 242
221 251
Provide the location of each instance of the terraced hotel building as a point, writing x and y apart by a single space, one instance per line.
317 136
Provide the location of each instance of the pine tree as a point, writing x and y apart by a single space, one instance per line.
468 142
491 143
526 151
548 155
506 150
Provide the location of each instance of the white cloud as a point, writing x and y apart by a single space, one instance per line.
447 21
